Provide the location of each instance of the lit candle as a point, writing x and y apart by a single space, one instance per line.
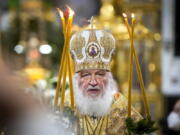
66 60
63 86
130 66
139 73
70 81
70 20
127 24
62 19
141 82
61 60
64 64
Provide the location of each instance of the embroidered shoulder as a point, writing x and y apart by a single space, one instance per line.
119 114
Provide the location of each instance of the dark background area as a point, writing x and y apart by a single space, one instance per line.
177 28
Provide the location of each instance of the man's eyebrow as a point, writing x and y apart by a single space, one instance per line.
101 71
82 72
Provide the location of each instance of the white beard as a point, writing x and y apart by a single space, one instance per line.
98 106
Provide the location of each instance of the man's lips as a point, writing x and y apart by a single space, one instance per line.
93 90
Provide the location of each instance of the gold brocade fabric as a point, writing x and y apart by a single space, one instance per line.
112 124
93 126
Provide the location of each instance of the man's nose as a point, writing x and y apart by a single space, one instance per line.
93 82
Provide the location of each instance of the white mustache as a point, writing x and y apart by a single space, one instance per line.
91 87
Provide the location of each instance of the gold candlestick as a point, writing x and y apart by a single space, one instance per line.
130 68
141 82
62 20
64 64
139 73
67 66
127 25
66 59
61 60
71 82
63 85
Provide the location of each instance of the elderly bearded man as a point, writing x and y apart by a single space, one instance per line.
101 109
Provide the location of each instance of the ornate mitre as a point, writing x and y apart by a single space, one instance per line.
92 49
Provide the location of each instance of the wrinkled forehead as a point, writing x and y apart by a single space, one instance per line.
93 71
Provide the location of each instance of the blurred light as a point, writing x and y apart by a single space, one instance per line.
45 49
60 13
133 15
41 84
157 36
152 67
152 87
124 15
71 12
19 49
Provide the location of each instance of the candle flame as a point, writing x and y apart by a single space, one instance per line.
71 12
60 13
124 15
133 15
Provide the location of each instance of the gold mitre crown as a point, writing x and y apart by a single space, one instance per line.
92 49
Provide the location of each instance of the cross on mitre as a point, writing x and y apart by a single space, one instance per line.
92 21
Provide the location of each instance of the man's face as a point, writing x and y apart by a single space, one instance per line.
93 82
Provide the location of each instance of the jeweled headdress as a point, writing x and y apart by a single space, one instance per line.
92 49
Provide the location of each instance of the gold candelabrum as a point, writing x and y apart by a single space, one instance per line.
66 64
147 44
31 12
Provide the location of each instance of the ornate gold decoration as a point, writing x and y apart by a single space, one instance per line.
92 49
78 44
